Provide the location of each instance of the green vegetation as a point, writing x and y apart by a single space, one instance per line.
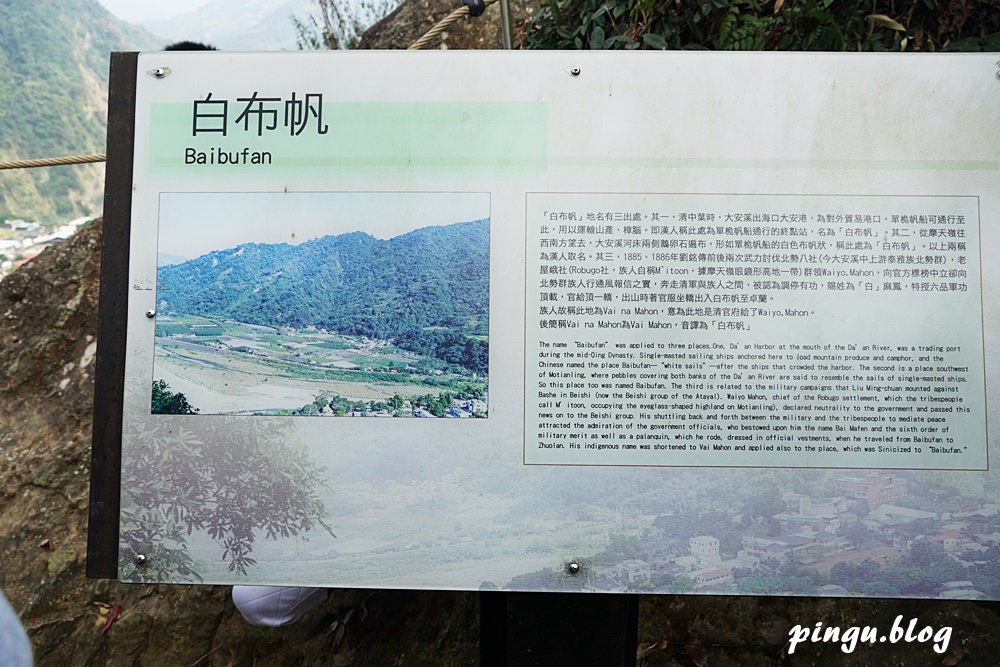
225 480
209 330
163 330
436 405
681 584
310 35
348 374
454 348
920 574
166 402
53 78
752 25
427 290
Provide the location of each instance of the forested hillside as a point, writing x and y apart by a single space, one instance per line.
427 289
53 101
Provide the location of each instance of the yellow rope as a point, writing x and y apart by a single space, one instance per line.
53 161
442 25
426 39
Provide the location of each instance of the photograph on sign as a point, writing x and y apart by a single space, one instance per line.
325 304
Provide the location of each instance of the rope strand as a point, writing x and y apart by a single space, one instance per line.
442 25
53 161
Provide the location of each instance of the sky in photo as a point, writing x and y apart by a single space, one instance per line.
194 223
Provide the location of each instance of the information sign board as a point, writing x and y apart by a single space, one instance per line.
658 322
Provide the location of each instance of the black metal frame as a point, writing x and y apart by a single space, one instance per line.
543 629
109 381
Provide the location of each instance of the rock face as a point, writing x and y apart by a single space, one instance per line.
415 17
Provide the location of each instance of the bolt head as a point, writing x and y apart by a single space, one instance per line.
151 313
573 567
575 71
140 559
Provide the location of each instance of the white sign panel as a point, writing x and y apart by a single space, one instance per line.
693 322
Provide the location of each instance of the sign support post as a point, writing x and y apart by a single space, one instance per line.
540 629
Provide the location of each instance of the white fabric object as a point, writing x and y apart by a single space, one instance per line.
15 651
274 606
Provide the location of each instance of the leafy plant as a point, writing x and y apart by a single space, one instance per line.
745 25
166 402
319 33
235 479
330 27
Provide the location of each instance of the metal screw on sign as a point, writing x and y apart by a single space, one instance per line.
573 568
159 72
150 313
140 560
575 71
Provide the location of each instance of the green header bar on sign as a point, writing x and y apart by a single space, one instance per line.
441 136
